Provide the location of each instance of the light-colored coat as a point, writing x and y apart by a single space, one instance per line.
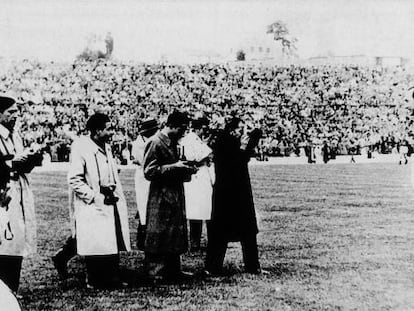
141 183
8 300
199 191
95 222
19 239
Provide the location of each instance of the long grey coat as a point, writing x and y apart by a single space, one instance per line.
95 222
20 239
166 221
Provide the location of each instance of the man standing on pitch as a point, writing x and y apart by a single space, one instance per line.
99 206
199 191
166 232
19 234
233 217
147 129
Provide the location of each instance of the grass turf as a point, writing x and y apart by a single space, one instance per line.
333 237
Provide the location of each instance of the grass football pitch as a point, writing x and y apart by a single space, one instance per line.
332 237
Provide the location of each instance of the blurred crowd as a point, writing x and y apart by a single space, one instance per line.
348 107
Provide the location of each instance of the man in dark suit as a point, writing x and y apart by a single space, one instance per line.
233 216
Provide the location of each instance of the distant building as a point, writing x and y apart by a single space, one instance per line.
362 60
263 49
386 61
193 56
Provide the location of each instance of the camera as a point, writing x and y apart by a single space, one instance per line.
25 163
108 192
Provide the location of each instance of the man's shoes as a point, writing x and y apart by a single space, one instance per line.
258 271
155 280
60 265
184 275
180 276
113 284
209 274
177 276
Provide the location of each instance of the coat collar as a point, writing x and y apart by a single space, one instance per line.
4 132
164 138
95 148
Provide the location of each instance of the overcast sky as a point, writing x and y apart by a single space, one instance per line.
145 30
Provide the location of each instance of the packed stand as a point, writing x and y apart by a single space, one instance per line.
350 107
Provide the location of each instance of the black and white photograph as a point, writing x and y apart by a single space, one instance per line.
206 155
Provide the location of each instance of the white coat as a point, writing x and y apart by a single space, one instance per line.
141 183
8 300
94 221
19 238
199 191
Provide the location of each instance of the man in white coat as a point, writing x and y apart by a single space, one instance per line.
147 129
199 191
99 206
8 300
20 232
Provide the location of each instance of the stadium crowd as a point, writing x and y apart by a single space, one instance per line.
349 107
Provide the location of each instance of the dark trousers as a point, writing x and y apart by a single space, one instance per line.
196 227
68 250
162 265
118 231
141 234
103 270
10 267
216 251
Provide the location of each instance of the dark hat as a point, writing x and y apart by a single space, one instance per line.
148 125
177 118
6 103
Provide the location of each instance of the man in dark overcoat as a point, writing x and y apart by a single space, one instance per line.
233 216
166 234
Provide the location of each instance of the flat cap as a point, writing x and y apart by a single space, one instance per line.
148 125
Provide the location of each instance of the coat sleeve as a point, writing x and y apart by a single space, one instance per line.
154 170
76 175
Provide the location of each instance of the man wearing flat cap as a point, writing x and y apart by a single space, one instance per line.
19 235
147 129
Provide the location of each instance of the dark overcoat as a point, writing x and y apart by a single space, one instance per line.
233 215
166 231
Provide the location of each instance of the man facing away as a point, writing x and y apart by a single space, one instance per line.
166 232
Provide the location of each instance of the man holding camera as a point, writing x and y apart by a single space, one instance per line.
166 233
19 233
99 206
